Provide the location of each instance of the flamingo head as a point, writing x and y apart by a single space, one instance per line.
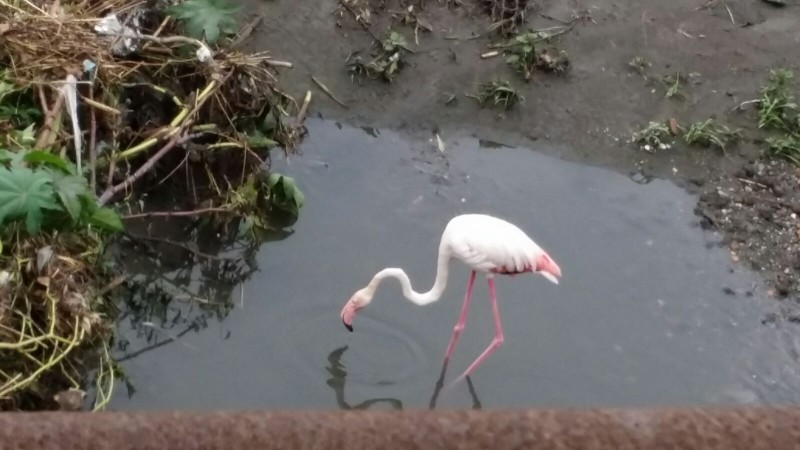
546 267
359 300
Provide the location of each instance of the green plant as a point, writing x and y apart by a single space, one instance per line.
394 42
776 107
284 192
674 85
655 135
42 190
786 147
498 92
521 53
522 56
711 134
388 62
253 200
16 104
639 64
206 18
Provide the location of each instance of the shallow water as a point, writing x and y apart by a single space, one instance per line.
640 317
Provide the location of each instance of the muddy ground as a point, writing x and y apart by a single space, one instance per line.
589 113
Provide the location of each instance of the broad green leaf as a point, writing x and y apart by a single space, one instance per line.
285 191
107 219
25 193
17 159
206 18
25 137
270 123
5 87
70 189
299 198
47 158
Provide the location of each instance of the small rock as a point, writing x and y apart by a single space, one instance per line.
715 199
765 213
783 286
766 181
697 181
728 291
778 191
640 178
70 400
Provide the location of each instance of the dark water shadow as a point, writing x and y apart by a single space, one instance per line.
182 274
337 383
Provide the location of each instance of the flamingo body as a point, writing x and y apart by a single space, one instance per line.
486 245
490 245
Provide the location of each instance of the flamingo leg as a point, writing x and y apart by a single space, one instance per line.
462 320
498 334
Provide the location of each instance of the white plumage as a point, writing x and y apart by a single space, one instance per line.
485 244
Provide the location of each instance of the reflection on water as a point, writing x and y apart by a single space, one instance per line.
643 316
339 378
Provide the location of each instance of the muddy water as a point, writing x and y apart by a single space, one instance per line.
650 311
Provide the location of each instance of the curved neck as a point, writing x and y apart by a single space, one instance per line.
423 298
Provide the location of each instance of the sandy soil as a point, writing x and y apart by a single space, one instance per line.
589 113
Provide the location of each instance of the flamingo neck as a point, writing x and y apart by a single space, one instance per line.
420 298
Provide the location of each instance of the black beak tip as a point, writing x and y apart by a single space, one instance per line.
349 327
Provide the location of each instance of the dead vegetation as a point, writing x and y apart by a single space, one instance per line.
507 15
100 103
53 319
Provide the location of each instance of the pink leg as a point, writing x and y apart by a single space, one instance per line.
462 319
498 334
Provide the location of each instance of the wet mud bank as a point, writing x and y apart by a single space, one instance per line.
624 58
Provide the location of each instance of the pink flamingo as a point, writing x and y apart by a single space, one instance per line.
485 244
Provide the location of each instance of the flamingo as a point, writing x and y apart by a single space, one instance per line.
485 244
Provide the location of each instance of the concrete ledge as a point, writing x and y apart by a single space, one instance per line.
657 429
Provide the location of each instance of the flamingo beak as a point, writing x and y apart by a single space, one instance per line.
348 313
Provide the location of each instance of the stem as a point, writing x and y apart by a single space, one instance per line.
114 190
92 142
194 212
48 120
185 247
